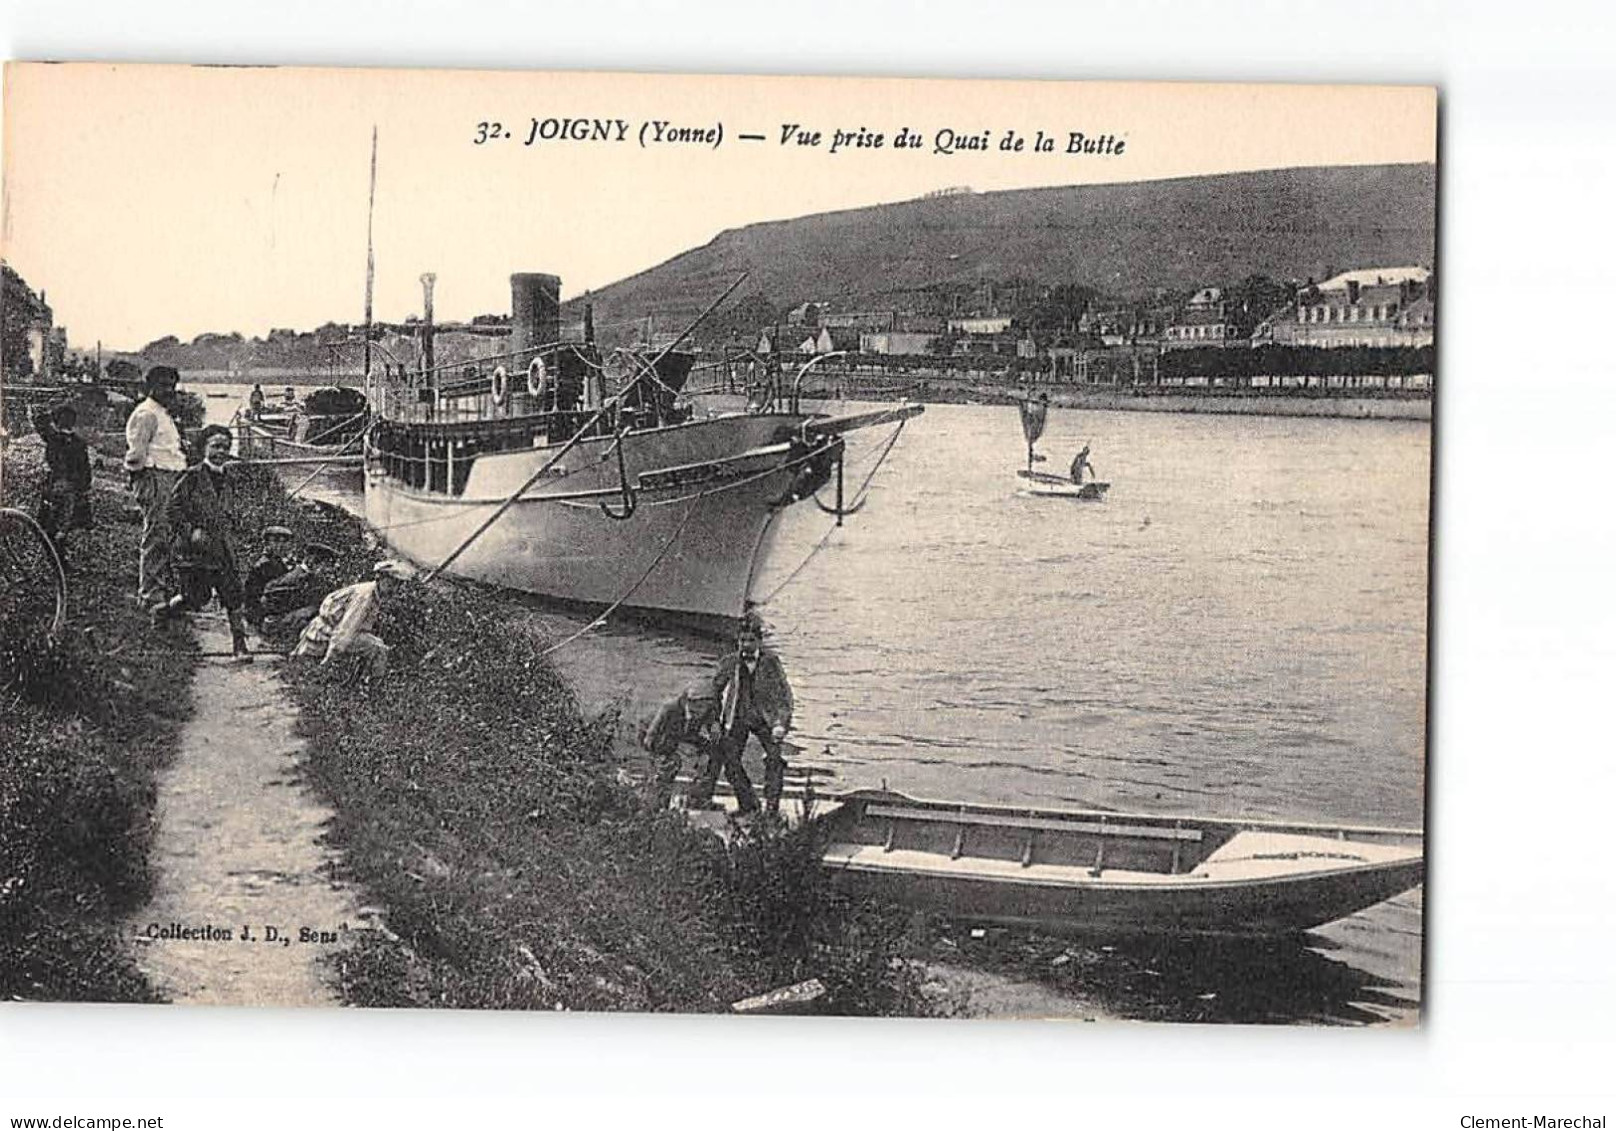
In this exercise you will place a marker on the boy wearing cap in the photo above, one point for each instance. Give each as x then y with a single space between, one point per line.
686 720
293 599
271 564
202 515
345 620
64 501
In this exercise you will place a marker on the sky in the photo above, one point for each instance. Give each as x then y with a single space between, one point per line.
149 200
1521 988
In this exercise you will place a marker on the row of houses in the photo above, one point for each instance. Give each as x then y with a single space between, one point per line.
1383 308
1377 307
1373 307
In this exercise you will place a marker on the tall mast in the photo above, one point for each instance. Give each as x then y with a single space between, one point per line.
370 254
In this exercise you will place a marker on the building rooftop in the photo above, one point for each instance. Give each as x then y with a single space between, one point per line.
1376 276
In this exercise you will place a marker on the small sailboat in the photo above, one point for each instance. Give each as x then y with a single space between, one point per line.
1043 484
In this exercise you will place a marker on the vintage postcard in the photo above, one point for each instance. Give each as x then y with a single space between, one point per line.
621 542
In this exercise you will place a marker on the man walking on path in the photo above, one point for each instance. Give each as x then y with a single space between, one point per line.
754 698
154 461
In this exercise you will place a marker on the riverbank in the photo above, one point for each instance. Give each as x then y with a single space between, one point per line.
481 820
86 727
481 809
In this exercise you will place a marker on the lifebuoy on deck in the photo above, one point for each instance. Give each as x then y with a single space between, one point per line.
538 378
500 386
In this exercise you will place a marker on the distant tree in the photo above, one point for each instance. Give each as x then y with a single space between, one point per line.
1062 305
190 411
1256 297
20 311
745 318
164 347
123 371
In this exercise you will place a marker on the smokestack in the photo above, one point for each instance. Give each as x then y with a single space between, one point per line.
428 358
535 311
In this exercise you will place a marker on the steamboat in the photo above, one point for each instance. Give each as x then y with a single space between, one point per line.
588 478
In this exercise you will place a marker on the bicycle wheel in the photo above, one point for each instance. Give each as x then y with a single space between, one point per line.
33 586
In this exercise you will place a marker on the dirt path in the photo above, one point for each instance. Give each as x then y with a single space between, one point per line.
245 911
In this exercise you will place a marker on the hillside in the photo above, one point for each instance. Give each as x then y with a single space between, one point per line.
1124 239
932 255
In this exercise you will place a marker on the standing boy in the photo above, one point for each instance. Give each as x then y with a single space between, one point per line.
64 498
202 513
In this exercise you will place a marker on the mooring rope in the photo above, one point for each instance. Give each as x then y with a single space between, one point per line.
615 605
293 493
858 498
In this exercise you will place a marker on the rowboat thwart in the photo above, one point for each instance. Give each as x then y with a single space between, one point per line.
1078 872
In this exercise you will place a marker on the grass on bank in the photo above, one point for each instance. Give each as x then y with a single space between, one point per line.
84 727
478 805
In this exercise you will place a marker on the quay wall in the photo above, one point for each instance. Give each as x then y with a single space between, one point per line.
1333 403
1254 404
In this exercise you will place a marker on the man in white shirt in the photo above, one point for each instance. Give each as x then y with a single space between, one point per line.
154 460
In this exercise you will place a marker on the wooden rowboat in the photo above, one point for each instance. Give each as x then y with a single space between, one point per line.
1103 873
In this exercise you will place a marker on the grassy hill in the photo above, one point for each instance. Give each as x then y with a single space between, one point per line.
1123 239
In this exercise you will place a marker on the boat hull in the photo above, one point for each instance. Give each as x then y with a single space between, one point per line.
1103 873
1041 485
705 496
1277 906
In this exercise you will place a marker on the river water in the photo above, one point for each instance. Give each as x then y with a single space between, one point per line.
1238 630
